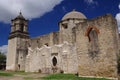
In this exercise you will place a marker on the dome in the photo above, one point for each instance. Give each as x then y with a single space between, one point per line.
74 14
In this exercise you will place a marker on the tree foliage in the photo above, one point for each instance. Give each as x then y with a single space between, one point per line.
2 58
2 61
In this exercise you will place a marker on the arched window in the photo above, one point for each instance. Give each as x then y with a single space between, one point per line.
54 61
93 46
22 27
93 39
18 66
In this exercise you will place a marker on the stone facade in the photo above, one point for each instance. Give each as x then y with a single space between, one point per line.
88 47
100 60
43 57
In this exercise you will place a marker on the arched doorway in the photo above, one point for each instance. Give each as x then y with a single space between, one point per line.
54 61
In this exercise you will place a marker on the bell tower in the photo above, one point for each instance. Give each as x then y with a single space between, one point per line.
17 47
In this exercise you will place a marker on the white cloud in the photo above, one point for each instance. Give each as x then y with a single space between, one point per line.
30 8
89 2
118 18
3 49
119 6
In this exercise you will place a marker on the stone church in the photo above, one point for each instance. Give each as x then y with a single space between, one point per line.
88 47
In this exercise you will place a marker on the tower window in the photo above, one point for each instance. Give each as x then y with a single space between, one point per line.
22 27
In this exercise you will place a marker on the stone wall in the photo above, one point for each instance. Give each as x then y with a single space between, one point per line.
40 59
89 47
119 42
48 40
11 55
22 51
17 51
103 62
66 32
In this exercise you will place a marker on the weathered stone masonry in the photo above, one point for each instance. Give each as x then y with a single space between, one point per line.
88 47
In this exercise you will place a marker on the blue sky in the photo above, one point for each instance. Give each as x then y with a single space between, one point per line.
44 15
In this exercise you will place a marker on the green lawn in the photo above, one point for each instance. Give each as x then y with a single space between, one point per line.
68 77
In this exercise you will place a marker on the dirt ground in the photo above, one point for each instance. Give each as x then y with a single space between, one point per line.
23 77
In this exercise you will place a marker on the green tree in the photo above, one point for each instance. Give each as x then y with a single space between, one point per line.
2 61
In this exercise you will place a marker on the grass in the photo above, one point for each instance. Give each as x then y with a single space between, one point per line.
68 77
6 74
32 78
29 78
20 73
48 77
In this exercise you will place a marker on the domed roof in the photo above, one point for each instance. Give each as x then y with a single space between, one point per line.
74 14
